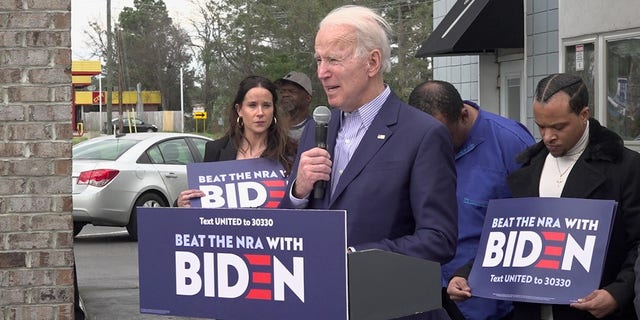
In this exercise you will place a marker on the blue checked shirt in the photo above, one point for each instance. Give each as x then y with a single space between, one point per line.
353 125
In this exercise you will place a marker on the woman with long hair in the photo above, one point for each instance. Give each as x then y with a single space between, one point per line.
254 131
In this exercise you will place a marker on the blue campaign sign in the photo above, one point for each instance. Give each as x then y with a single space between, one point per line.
542 250
250 183
237 264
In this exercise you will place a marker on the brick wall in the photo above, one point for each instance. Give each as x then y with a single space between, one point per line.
36 256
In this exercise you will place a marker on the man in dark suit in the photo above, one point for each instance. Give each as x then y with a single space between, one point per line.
579 158
389 165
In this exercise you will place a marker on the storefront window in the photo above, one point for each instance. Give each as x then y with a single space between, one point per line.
623 87
581 61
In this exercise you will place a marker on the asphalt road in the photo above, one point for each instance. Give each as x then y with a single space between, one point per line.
107 267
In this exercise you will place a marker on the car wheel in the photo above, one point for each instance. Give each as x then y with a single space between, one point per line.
77 227
150 130
147 200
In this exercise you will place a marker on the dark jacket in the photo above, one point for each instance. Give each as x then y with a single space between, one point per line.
220 150
399 187
606 170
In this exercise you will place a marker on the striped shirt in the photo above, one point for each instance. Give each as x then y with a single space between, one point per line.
353 125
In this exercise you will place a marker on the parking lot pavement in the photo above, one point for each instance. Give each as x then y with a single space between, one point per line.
107 269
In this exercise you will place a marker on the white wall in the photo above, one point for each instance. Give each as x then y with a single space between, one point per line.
585 17
489 98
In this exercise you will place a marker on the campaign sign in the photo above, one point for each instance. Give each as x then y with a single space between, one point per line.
250 183
542 250
232 264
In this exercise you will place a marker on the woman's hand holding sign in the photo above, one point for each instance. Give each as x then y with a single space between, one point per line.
186 195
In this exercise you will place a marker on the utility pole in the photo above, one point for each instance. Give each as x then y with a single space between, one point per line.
100 99
109 70
120 91
181 102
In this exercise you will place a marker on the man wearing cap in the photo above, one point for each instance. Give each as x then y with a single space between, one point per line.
295 98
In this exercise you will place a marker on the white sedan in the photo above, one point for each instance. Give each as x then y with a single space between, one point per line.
114 175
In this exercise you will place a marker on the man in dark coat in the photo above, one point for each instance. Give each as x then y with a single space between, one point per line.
389 165
579 158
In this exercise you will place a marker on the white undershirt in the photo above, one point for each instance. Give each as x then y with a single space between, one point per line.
552 183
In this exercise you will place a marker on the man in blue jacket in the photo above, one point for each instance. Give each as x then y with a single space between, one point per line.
486 146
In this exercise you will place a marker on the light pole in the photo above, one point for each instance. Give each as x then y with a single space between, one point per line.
99 77
181 103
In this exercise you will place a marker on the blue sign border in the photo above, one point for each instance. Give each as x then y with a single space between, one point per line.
323 233
542 281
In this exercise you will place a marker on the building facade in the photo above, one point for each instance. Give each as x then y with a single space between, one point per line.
476 49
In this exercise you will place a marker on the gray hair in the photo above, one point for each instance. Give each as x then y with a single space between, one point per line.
372 30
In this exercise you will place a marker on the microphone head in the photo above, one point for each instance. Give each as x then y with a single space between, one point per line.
321 115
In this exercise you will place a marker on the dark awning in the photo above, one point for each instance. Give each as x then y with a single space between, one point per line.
476 26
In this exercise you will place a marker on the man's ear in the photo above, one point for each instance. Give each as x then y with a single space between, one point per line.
464 113
374 62
585 113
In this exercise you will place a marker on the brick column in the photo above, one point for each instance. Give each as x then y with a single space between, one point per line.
36 241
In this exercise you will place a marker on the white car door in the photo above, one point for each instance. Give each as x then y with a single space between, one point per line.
171 158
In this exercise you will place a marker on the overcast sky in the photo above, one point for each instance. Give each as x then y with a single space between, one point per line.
84 11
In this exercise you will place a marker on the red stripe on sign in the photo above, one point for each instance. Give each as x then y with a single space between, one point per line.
260 294
272 204
276 194
259 259
261 277
553 236
552 251
548 264
274 183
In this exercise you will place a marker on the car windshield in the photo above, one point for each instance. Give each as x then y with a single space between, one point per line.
102 150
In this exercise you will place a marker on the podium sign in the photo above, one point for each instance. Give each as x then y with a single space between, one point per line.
542 250
243 263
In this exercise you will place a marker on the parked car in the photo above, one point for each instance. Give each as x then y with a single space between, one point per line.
112 175
137 125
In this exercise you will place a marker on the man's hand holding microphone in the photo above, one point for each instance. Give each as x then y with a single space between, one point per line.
314 168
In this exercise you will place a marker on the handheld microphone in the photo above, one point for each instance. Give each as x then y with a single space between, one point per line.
321 115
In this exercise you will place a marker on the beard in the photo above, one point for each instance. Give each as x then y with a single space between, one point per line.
288 106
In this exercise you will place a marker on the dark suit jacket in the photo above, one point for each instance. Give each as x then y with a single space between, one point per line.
606 170
220 150
399 188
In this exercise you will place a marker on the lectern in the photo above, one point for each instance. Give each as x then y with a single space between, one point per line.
386 285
